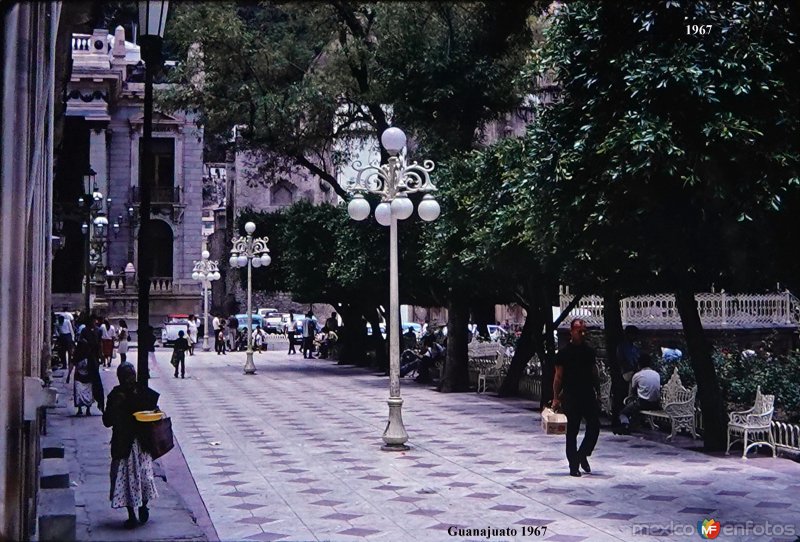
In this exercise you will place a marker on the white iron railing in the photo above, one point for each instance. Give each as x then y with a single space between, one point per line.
786 435
779 309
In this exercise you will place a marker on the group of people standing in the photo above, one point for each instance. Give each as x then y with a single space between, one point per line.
84 349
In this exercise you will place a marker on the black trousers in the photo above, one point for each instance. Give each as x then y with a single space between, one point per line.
219 344
308 347
577 410
181 358
291 334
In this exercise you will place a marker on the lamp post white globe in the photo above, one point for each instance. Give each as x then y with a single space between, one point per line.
428 208
383 213
215 275
402 207
233 261
250 227
241 261
358 208
265 260
195 276
393 140
206 254
256 262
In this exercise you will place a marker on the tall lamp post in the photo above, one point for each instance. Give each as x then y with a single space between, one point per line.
205 271
152 21
250 252
393 181
94 229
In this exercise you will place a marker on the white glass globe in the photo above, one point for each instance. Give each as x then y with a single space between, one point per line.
256 262
429 208
358 208
234 261
265 260
195 276
206 254
393 140
241 261
402 207
215 275
250 227
383 213
101 221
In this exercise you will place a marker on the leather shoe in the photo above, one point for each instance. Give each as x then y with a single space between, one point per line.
575 472
585 464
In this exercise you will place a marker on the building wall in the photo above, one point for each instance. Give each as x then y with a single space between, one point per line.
26 144
105 90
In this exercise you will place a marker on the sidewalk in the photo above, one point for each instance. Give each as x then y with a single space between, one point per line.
293 453
178 513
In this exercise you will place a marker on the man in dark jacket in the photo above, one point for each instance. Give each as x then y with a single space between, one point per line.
576 375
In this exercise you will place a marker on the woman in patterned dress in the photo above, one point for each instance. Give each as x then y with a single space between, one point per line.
132 480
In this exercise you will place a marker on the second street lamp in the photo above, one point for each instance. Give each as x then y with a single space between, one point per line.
393 181
250 252
205 271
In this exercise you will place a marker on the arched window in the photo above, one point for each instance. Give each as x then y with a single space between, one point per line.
281 195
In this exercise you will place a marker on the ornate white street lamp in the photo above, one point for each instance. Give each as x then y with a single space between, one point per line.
393 181
205 271
250 252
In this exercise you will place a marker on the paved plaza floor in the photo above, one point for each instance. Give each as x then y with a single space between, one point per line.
293 453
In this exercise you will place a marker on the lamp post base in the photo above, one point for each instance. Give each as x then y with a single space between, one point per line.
395 436
249 366
206 347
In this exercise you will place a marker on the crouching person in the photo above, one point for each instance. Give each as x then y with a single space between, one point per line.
645 392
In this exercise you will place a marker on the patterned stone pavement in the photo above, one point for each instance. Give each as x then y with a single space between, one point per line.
293 453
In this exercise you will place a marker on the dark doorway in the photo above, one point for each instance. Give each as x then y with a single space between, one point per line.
162 239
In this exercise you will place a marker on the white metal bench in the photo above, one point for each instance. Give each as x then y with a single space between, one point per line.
488 360
605 388
753 426
677 405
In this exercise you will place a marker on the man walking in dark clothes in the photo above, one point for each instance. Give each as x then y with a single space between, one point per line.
576 375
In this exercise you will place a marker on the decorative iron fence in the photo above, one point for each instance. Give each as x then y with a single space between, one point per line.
716 310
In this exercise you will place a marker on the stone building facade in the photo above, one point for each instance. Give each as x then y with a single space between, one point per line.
28 78
104 130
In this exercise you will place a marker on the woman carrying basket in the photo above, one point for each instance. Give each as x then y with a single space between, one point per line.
132 479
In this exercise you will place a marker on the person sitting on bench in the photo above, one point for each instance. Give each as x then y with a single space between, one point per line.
645 392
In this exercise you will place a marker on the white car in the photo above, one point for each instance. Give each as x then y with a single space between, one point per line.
173 324
263 312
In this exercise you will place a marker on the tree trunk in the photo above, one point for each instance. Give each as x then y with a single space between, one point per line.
352 350
708 390
548 362
612 323
526 347
376 341
456 370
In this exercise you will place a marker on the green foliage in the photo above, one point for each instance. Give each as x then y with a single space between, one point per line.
740 375
665 149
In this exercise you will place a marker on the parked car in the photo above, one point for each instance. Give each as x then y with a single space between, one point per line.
172 325
273 322
264 312
257 321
